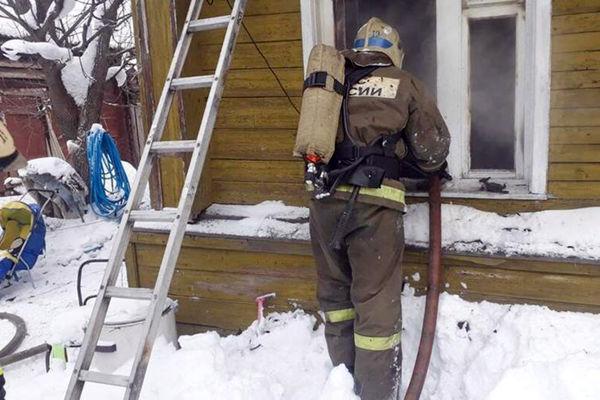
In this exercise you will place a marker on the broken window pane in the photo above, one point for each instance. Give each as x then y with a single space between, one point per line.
492 86
414 20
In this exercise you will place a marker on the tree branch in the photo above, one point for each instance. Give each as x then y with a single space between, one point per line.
75 25
121 52
50 19
18 20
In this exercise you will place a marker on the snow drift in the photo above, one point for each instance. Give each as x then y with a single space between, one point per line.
482 351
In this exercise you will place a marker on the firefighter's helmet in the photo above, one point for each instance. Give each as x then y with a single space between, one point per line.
377 36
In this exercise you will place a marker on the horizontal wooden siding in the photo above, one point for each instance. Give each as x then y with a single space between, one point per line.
218 278
574 171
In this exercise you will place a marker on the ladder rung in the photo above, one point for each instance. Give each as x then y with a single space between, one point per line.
105 379
206 24
173 146
129 293
153 215
192 82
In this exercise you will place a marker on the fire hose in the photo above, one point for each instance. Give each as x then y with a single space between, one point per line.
434 280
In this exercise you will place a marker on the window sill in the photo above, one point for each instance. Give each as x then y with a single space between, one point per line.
470 189
453 194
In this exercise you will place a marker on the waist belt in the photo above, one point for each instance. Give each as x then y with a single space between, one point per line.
366 166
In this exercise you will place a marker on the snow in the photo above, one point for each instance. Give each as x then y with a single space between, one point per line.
482 351
553 233
54 166
270 219
10 28
338 384
266 209
77 74
117 72
14 48
130 171
491 352
68 7
7 331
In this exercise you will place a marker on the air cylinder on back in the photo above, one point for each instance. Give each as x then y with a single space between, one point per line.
321 104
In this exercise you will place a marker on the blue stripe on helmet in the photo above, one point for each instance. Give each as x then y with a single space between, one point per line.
373 41
359 43
380 42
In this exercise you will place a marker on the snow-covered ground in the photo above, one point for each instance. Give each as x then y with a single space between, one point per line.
483 351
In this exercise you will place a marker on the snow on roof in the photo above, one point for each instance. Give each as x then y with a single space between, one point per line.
556 233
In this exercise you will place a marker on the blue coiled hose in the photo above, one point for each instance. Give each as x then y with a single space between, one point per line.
109 186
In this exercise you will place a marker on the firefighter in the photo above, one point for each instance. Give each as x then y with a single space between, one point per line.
390 128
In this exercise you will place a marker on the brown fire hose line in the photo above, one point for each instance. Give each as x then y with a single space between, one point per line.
434 281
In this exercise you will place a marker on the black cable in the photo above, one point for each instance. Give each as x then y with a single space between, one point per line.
267 63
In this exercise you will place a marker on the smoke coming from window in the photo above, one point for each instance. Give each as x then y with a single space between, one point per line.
492 54
493 63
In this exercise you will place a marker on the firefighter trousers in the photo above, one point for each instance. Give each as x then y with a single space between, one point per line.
359 290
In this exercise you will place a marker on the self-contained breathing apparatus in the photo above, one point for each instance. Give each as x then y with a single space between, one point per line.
357 166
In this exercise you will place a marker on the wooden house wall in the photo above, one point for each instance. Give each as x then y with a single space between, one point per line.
256 125
574 171
218 278
250 158
250 161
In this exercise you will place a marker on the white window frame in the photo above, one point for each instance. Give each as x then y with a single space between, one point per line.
492 10
532 119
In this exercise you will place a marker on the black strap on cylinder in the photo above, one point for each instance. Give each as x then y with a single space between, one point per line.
319 79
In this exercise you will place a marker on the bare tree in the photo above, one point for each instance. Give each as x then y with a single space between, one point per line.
79 44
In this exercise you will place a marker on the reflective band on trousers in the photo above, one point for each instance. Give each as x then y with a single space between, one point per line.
384 192
346 314
375 343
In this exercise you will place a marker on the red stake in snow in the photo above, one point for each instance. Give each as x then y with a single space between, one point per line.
260 303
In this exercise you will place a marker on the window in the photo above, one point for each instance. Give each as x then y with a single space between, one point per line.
487 62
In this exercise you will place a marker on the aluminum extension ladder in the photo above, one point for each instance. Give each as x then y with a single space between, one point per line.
154 147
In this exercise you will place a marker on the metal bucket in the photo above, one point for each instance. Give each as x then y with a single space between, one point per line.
126 334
